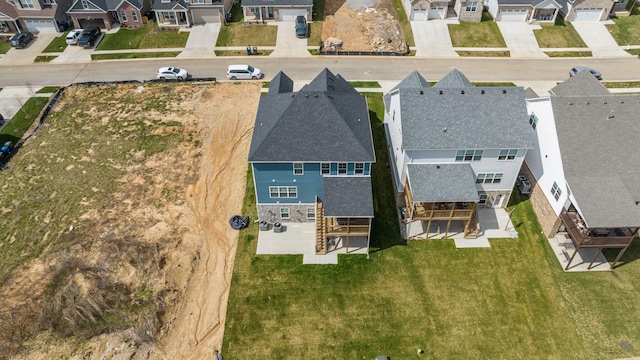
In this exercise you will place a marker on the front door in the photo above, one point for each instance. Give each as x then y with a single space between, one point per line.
497 202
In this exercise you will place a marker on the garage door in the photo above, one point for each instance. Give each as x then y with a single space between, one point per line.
290 14
590 14
513 15
38 26
419 15
86 23
436 13
205 16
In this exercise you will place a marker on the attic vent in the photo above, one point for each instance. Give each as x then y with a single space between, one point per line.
437 166
481 91
462 92
604 102
570 102
421 92
330 97
440 92
621 101
610 116
315 96
587 103
504 91
445 129
306 95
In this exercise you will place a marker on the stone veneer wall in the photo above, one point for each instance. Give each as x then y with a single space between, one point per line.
470 16
297 212
547 218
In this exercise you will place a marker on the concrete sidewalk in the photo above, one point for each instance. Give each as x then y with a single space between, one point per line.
598 39
432 38
520 39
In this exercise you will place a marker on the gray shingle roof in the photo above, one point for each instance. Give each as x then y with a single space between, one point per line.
327 120
281 83
347 196
442 182
107 5
529 93
454 79
598 137
464 118
412 81
276 2
583 83
520 2
159 5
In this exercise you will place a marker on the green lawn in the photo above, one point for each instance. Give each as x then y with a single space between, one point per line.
242 34
403 21
511 301
483 34
4 45
484 53
44 58
626 30
146 37
569 53
137 55
58 44
48 90
560 35
22 120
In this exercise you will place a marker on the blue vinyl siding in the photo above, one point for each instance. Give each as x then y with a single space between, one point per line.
309 185
367 168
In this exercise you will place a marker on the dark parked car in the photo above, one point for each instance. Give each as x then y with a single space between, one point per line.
21 40
301 26
578 69
88 37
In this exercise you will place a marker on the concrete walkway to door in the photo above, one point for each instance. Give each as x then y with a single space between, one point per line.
598 39
520 39
432 38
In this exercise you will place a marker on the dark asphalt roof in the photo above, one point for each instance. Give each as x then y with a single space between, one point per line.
442 182
583 83
348 196
277 2
327 120
598 136
464 117
104 5
281 83
173 4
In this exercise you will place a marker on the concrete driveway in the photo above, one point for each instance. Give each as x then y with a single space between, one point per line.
202 39
28 54
74 54
520 39
598 39
432 39
287 44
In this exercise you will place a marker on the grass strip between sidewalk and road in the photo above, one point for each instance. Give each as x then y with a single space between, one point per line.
136 55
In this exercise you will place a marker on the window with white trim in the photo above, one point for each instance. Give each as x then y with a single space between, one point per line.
134 15
276 192
123 15
285 214
311 213
169 15
483 199
472 5
342 168
359 169
469 155
255 10
49 2
325 168
533 120
298 168
197 1
556 191
27 4
489 178
85 4
507 154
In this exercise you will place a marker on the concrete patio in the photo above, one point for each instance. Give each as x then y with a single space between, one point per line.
300 239
563 249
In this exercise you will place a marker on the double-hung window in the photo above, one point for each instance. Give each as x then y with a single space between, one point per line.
507 154
342 168
469 155
472 5
298 168
27 4
325 168
533 120
276 192
359 169
556 191
123 15
489 178
285 214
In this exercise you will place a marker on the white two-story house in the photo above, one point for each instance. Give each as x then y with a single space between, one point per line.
455 147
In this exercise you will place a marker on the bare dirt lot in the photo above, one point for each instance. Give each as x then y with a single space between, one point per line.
115 241
363 25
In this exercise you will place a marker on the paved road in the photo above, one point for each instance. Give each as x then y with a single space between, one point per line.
352 68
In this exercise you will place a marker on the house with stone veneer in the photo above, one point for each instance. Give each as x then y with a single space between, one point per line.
46 16
465 10
583 169
311 155
454 147
105 13
186 13
276 10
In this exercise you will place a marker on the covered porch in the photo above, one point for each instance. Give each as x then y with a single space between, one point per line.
440 195
545 12
172 14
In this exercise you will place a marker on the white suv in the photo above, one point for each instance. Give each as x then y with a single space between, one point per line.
73 36
237 72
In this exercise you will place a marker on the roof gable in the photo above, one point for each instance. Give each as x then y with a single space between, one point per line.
581 84
412 81
281 83
454 79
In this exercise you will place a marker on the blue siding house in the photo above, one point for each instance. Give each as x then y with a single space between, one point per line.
311 156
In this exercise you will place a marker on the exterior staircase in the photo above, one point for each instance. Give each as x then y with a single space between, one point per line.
321 230
474 227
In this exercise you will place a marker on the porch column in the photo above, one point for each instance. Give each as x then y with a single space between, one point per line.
157 14
555 14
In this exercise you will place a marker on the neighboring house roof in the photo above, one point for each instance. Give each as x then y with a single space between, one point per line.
598 135
348 196
160 5
8 10
412 81
580 84
327 120
442 182
277 2
106 5
281 83
454 79
533 3
529 93
464 118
